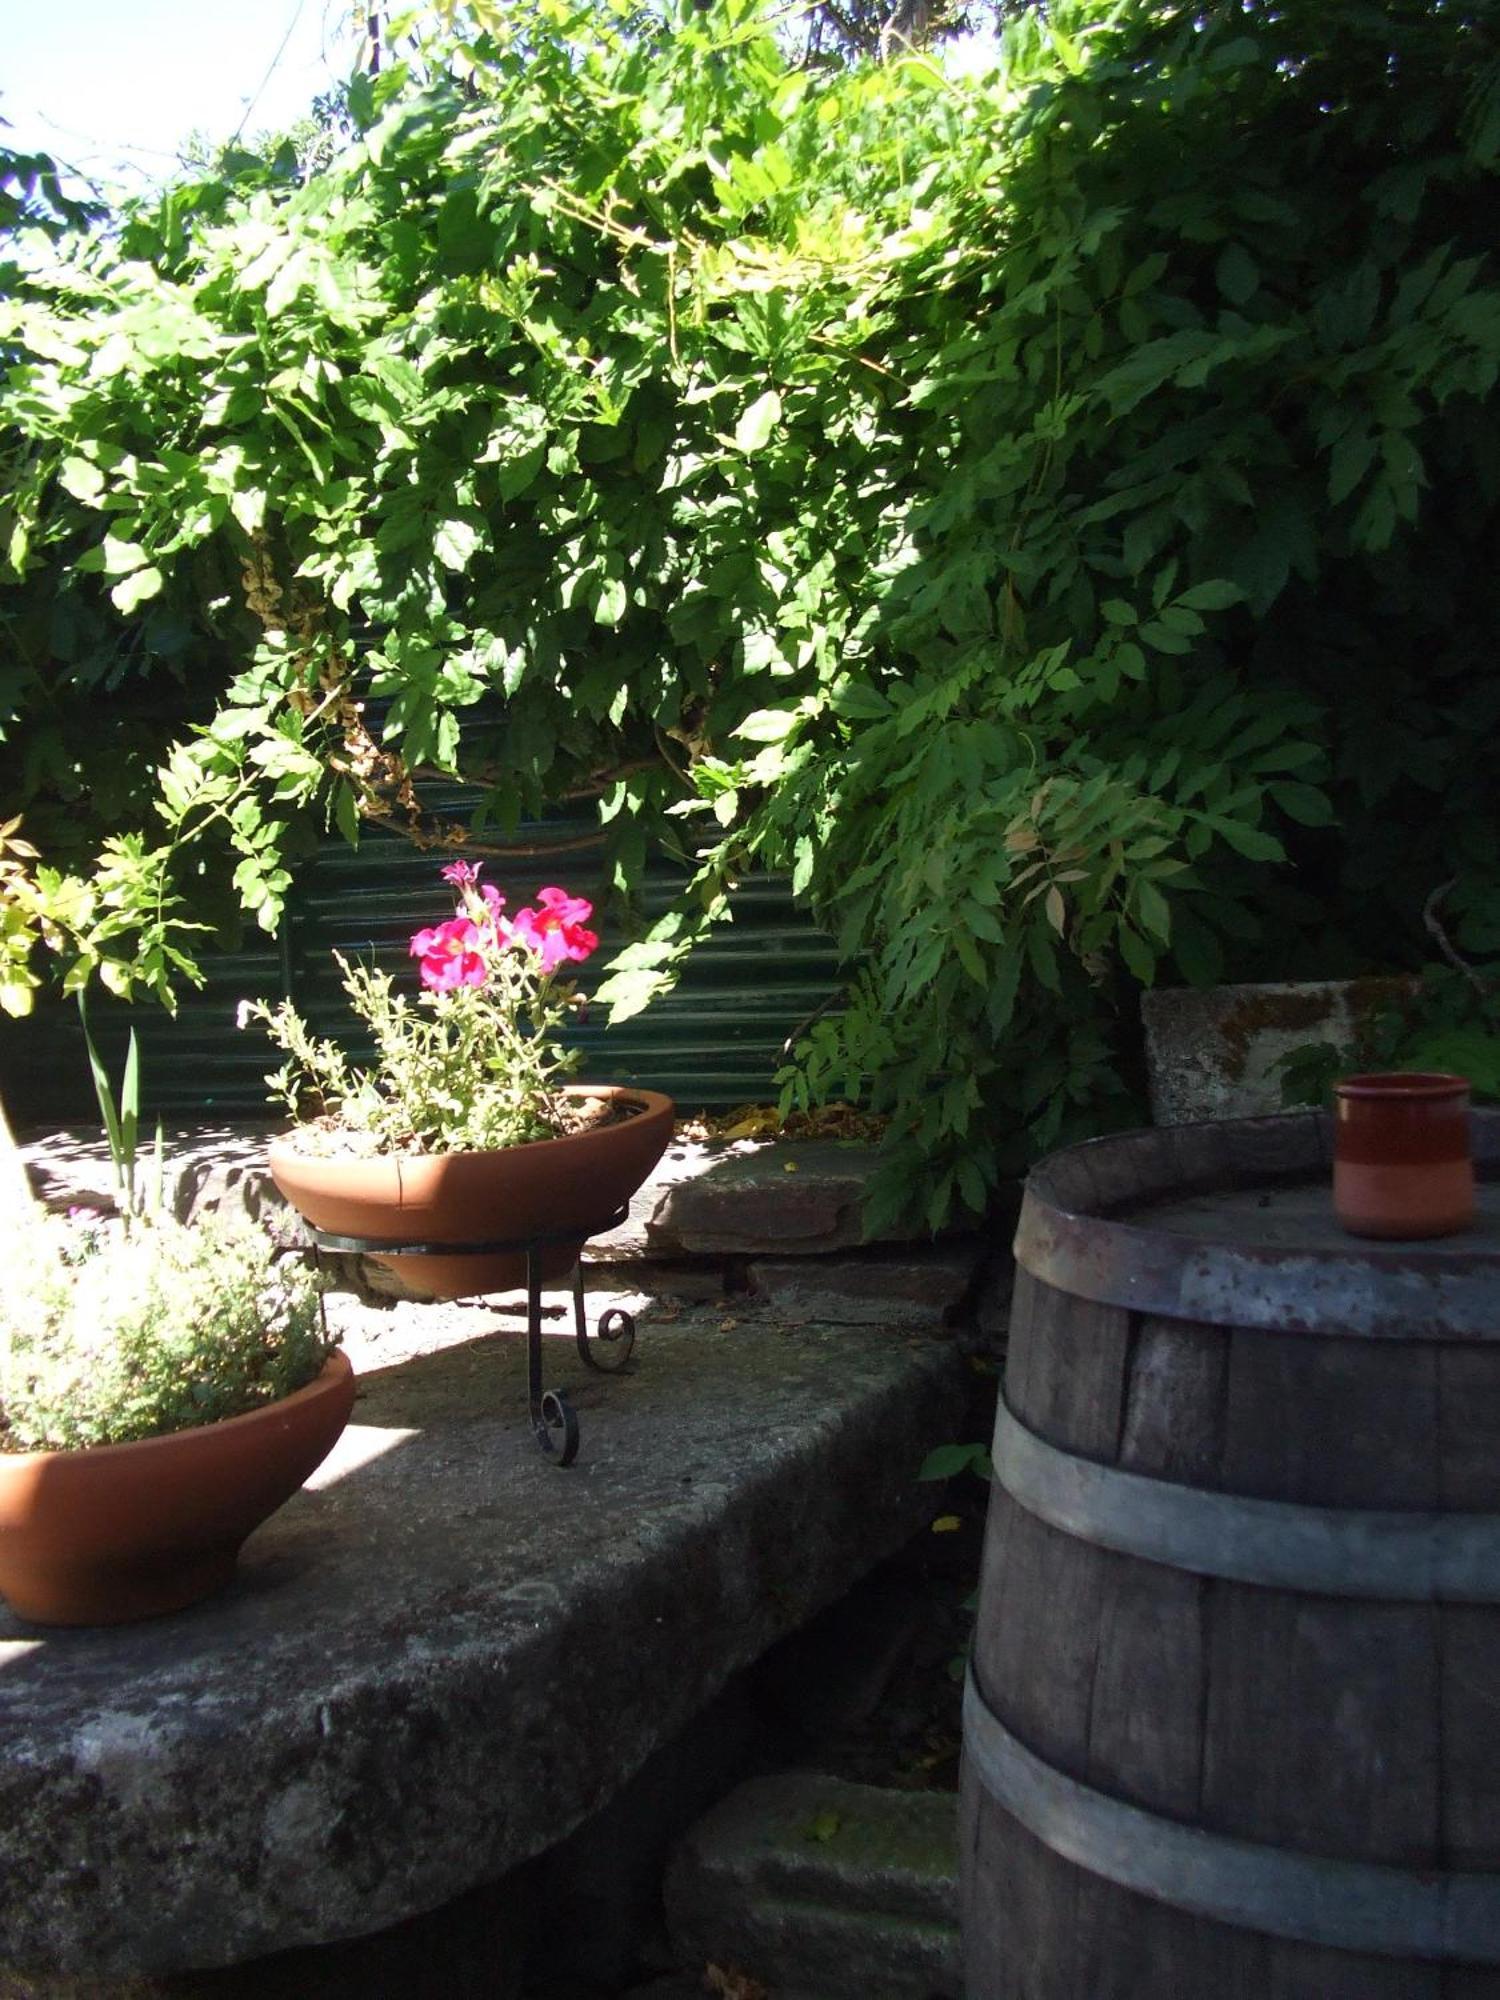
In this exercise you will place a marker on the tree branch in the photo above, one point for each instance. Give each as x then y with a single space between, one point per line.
1434 928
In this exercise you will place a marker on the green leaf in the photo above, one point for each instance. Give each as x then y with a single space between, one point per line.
134 590
610 601
946 1461
753 431
1217 594
120 557
130 1107
454 543
113 1132
1155 912
82 478
1303 803
1352 458
346 814
768 725
969 957
1162 639
860 702
1247 840
1138 955
1238 274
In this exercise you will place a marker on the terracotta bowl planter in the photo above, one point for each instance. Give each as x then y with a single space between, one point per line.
122 1531
548 1187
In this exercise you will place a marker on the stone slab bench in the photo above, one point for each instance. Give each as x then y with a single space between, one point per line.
447 1654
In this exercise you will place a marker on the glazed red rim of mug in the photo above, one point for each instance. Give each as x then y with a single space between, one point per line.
1403 1083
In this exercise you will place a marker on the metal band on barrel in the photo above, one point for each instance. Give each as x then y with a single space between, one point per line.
1405 1557
1315 1899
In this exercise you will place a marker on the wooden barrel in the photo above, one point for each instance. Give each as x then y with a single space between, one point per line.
1232 1729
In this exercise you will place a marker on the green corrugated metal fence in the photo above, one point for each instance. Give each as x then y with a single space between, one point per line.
715 1041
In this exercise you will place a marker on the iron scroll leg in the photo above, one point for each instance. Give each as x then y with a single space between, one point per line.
615 1326
550 1409
554 1421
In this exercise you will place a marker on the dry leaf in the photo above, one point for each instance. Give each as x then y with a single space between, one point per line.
731 1985
841 1123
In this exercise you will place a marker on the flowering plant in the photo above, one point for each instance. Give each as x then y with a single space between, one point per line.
117 1328
472 1062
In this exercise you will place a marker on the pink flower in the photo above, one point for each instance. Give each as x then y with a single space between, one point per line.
555 931
450 955
462 874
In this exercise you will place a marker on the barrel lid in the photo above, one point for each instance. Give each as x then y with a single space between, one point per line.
1232 1224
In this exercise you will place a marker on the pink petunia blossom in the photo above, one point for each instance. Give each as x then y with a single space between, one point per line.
462 874
450 955
555 930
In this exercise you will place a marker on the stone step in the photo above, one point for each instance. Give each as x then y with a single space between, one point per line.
813 1888
919 1286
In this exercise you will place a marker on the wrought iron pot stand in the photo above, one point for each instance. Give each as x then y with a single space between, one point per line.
551 1410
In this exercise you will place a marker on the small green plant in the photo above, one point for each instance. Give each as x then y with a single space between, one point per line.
112 1330
948 1460
122 1126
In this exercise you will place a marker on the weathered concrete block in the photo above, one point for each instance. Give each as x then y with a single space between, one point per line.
746 1197
445 1655
818 1887
1212 1052
918 1288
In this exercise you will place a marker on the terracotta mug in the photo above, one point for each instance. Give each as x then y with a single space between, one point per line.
1402 1162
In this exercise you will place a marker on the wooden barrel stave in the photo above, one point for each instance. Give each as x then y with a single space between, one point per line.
1088 1939
1194 1697
1341 1727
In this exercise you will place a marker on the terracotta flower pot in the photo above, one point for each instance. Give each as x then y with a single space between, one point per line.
1402 1162
122 1531
545 1188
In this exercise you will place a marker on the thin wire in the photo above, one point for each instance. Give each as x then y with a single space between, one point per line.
275 65
101 146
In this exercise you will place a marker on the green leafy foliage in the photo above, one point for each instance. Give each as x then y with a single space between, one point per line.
946 1461
1049 515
